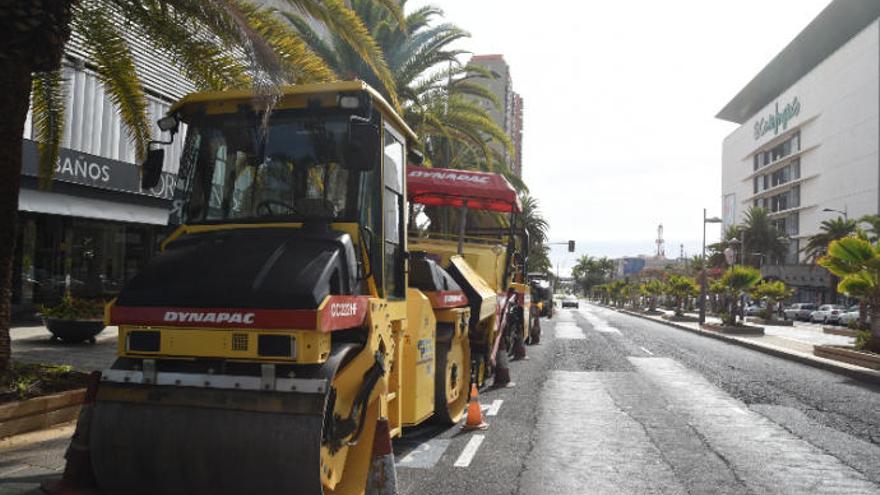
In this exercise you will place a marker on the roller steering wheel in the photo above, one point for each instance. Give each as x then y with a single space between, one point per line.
267 204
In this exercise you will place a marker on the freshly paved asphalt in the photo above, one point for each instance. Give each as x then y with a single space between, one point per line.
610 403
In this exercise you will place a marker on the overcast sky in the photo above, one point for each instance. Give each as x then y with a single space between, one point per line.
620 99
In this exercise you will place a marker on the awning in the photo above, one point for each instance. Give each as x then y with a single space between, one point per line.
77 206
449 187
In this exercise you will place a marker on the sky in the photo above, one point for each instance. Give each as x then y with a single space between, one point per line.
620 99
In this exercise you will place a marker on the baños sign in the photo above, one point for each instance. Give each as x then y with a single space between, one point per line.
777 119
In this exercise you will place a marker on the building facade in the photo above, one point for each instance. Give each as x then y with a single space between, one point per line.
94 227
510 115
806 149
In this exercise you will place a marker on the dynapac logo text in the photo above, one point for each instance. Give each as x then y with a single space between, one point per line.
209 317
343 309
453 298
477 179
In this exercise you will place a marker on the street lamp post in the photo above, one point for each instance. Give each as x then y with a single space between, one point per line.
703 275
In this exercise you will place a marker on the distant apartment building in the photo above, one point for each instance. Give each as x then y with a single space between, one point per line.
807 145
510 116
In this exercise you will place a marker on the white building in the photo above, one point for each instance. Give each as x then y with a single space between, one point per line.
808 139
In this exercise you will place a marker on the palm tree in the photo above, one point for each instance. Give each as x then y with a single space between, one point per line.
873 230
681 288
652 289
771 292
857 262
829 230
738 280
759 236
439 97
198 37
536 226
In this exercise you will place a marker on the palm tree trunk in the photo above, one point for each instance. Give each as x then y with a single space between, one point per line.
874 344
14 100
34 35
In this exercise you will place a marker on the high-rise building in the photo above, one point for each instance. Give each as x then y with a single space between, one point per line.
806 149
510 116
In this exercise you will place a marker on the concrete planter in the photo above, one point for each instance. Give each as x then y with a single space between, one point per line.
681 319
40 412
848 355
74 331
738 330
846 332
770 323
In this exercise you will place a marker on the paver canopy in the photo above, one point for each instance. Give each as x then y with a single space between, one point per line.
450 187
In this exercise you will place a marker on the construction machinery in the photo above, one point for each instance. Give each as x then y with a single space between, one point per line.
492 246
284 317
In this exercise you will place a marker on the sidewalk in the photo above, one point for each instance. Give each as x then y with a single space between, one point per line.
795 343
32 345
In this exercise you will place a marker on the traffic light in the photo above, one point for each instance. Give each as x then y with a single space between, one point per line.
570 246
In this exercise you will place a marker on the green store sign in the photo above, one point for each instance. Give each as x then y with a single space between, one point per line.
777 119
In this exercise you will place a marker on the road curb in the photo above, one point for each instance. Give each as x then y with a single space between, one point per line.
851 371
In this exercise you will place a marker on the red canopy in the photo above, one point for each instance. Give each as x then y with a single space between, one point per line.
449 187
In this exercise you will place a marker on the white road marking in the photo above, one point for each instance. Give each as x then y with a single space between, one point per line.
647 351
425 455
767 457
493 409
470 450
568 330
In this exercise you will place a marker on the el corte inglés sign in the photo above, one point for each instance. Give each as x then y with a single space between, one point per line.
777 119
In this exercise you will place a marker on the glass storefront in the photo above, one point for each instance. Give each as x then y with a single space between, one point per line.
91 258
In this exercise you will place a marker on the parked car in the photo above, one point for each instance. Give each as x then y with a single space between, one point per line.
851 315
570 301
825 311
755 309
799 311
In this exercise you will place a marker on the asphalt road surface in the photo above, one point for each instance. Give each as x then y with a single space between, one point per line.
610 403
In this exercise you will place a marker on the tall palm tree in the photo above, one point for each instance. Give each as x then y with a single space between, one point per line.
873 230
829 230
537 227
440 98
197 35
761 240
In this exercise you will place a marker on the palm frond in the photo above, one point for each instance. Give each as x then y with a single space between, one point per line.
116 70
204 61
313 39
301 63
346 24
48 102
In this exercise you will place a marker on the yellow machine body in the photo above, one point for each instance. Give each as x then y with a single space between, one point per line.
183 416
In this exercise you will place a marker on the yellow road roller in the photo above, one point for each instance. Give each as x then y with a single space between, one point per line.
285 316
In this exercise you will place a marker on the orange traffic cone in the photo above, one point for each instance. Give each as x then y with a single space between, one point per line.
475 413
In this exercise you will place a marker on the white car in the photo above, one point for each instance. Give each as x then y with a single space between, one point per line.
570 301
821 315
851 315
799 311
